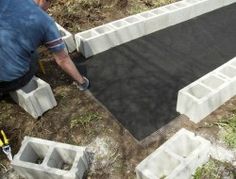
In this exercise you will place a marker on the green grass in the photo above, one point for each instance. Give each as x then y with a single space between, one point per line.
228 133
214 169
90 3
84 119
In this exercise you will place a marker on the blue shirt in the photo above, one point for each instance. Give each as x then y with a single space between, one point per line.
24 26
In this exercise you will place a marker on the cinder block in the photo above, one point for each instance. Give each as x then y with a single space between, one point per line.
85 42
178 12
134 29
68 39
215 4
96 40
199 7
228 2
177 158
38 158
128 29
36 97
104 37
206 94
155 20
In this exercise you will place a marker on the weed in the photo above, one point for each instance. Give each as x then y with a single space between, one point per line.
84 119
228 133
90 3
205 170
214 169
136 8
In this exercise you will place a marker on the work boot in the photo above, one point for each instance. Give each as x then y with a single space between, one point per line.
84 86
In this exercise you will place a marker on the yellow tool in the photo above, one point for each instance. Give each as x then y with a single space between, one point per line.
42 68
5 145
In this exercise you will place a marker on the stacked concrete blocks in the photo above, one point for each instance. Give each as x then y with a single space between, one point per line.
206 94
109 35
96 40
128 29
154 20
38 158
36 97
104 37
228 2
68 39
177 12
177 158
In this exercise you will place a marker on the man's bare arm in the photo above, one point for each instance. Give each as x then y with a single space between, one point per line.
65 62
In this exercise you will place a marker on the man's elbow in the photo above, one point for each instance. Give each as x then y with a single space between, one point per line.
61 57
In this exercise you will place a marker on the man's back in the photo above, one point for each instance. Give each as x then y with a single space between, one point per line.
23 27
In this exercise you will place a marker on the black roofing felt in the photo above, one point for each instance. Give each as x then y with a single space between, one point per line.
139 81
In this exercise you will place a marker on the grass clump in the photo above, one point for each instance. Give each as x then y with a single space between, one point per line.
228 132
84 120
90 3
214 169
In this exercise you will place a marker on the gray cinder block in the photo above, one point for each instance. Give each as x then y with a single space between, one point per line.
155 20
128 28
43 159
96 40
177 12
177 158
206 94
102 38
228 2
68 39
36 97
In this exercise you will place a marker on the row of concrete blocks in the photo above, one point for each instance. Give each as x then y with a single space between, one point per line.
206 94
104 37
43 159
36 97
177 158
68 39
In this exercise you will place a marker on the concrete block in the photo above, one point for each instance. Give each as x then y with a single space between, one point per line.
196 101
157 165
199 7
36 97
122 31
206 94
227 72
68 39
128 29
214 4
177 158
96 40
228 2
38 158
154 20
178 12
83 41
104 37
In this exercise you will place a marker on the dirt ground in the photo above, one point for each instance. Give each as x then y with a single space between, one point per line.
80 119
